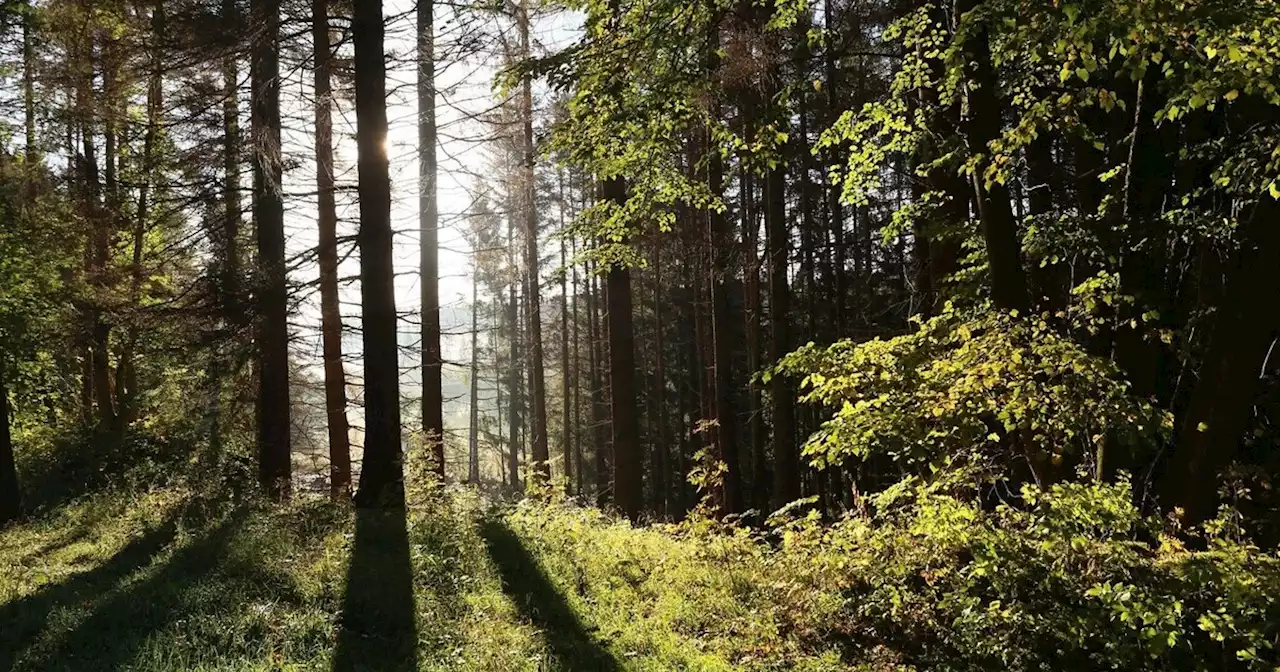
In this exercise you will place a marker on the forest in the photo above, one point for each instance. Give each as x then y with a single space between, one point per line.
639 335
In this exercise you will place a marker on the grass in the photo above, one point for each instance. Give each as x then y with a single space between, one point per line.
172 580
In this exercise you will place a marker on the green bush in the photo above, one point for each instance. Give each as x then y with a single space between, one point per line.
1073 578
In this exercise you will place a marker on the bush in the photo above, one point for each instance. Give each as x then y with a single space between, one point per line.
1074 578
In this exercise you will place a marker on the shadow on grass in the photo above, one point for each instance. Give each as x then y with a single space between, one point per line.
538 600
377 629
23 621
122 621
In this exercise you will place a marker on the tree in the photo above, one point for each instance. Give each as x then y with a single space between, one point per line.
382 474
274 451
335 379
428 225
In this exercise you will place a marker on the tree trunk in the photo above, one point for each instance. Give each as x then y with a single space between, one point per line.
513 375
382 473
786 462
32 149
1218 415
999 227
429 226
627 469
10 496
473 424
661 468
268 209
565 377
335 380
599 407
537 379
726 430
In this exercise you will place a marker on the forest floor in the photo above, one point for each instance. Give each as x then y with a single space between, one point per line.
171 580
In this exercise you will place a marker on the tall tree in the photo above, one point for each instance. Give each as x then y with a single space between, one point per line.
382 473
624 421
335 380
10 496
537 379
429 226
274 453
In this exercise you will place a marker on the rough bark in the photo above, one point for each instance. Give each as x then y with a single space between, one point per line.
335 379
268 212
382 473
429 226
10 495
624 416
1217 418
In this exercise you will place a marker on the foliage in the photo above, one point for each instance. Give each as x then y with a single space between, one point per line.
984 391
1075 579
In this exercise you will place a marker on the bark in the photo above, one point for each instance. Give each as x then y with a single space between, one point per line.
513 371
599 407
32 149
661 468
623 416
999 226
382 473
473 424
786 461
718 236
127 377
537 378
10 495
1218 416
834 106
429 226
268 210
754 317
565 378
335 380
577 379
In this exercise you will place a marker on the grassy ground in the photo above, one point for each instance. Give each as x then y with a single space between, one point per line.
169 581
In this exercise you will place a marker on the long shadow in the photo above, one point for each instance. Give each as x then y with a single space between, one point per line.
539 601
23 621
377 629
110 637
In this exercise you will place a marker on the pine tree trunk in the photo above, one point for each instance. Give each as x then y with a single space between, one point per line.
382 473
537 379
268 210
662 451
565 377
786 462
726 430
32 149
10 496
335 380
599 409
623 417
473 424
429 227
513 378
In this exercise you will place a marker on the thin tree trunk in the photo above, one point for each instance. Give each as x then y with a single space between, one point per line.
537 379
382 474
786 462
661 468
577 376
32 148
10 495
565 378
429 225
335 380
473 430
